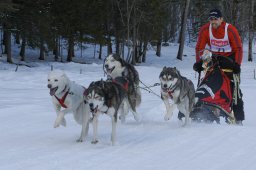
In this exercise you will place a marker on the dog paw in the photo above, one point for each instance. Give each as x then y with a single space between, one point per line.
138 118
79 140
167 117
60 120
184 125
63 123
94 141
122 118
56 125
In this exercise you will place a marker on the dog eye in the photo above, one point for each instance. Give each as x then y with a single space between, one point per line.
55 80
48 79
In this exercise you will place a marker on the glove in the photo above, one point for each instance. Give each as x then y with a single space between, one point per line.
198 66
236 68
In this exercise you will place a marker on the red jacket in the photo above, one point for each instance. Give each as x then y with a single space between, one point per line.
233 36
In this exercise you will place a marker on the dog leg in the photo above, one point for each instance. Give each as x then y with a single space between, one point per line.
60 117
121 112
113 133
95 128
85 127
169 109
136 116
186 119
57 108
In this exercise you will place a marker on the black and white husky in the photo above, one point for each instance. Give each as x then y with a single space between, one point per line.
108 98
126 75
67 97
179 89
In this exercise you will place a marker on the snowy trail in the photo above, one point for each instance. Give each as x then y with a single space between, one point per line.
29 141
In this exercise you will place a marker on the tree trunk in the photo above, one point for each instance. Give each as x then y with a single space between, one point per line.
8 46
158 47
134 44
5 38
251 31
117 46
140 52
70 49
100 52
122 50
17 38
22 49
183 30
144 51
1 42
42 56
94 50
109 45
56 49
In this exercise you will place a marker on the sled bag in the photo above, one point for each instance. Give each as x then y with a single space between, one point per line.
215 88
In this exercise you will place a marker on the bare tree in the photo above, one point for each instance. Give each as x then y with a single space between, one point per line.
127 14
183 30
251 31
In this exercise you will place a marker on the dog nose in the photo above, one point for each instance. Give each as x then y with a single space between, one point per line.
106 66
91 105
49 86
165 85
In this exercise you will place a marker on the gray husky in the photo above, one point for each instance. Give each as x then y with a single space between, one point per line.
125 74
179 89
109 98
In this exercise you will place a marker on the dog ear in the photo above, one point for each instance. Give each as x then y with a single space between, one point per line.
177 72
164 68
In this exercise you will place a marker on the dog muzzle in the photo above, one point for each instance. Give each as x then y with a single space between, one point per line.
109 70
94 110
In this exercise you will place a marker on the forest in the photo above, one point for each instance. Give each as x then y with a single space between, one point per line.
116 24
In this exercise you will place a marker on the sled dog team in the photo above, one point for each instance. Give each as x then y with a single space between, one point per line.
116 96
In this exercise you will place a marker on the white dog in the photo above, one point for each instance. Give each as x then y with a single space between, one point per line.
69 96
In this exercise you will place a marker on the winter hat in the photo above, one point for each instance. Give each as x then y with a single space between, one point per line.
215 13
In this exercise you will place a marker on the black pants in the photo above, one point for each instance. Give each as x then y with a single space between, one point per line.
238 108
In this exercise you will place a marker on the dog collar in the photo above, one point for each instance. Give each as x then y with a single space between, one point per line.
170 92
62 100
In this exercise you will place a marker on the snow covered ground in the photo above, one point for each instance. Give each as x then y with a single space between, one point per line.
29 141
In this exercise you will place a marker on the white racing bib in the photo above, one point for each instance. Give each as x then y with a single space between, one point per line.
220 45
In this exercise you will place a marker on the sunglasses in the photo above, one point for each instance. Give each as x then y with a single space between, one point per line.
213 18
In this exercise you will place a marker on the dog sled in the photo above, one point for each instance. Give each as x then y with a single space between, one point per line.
214 94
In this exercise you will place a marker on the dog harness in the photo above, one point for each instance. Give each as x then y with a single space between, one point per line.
62 100
170 91
123 84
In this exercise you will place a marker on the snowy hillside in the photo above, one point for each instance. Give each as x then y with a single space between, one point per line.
29 141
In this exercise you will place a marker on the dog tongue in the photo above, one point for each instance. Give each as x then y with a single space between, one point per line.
52 91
